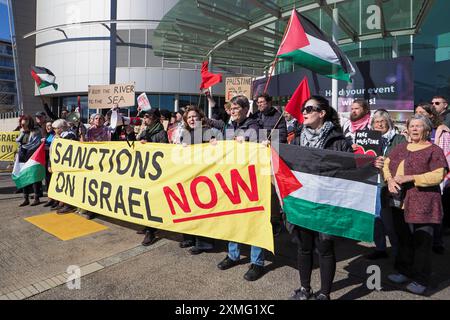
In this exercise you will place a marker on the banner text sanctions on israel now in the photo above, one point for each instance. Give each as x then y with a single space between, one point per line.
219 191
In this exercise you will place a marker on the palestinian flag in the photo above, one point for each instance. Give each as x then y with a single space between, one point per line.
43 77
327 191
31 171
306 45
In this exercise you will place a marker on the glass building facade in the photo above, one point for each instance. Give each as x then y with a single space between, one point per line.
8 91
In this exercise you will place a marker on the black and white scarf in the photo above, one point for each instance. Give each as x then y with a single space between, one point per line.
315 138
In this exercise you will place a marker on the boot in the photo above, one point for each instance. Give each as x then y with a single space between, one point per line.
149 238
36 201
25 202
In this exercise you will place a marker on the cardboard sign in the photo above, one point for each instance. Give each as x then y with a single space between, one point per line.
369 142
238 86
105 97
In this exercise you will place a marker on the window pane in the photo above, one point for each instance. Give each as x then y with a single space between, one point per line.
123 48
137 51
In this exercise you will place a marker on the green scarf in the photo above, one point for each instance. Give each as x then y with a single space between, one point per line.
154 129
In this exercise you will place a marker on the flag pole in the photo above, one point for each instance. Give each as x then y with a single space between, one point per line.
276 125
272 68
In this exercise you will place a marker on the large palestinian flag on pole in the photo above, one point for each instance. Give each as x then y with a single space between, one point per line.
306 45
327 191
31 171
43 77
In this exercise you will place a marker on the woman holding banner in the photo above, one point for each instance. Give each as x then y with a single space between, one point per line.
243 128
320 129
194 121
413 172
97 132
62 130
153 131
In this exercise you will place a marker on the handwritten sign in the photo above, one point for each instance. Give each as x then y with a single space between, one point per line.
369 142
105 97
238 86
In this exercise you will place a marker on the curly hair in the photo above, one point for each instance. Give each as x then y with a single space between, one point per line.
198 111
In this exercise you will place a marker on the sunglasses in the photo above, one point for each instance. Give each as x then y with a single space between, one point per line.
309 109
436 103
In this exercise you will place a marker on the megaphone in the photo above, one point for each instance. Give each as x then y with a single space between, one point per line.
73 117
119 120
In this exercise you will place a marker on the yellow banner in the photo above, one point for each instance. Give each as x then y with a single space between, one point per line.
218 191
8 145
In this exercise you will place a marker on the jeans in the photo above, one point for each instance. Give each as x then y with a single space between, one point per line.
256 253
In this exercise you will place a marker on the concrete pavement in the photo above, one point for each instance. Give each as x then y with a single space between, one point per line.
33 265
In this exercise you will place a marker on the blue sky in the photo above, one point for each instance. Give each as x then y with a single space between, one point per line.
4 22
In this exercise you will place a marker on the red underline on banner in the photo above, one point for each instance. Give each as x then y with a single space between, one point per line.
218 214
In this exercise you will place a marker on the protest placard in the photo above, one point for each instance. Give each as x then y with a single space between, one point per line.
238 86
105 97
369 142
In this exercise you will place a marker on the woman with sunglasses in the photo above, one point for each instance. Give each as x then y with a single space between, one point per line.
321 129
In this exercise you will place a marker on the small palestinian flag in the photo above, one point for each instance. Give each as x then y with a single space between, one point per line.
31 171
327 191
306 45
43 77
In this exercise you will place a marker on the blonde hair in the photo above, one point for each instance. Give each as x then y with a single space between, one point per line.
60 123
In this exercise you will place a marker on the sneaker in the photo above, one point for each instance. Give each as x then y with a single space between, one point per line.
398 278
322 296
302 294
149 238
377 254
254 272
439 250
227 263
416 288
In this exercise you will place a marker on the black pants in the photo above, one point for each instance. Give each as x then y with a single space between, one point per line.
308 240
415 242
446 206
199 242
35 188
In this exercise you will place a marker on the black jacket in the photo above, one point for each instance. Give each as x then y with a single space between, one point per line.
158 137
248 129
335 140
268 119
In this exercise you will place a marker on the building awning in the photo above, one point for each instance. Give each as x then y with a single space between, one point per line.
247 34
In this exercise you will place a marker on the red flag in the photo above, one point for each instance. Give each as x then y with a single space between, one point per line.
300 95
209 79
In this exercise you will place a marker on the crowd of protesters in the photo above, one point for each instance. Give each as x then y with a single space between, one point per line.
413 193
